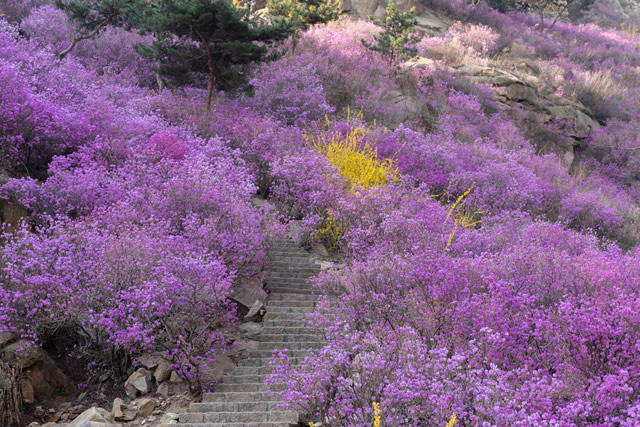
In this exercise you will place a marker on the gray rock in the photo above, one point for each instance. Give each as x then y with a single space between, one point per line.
582 124
430 24
149 361
320 249
123 412
163 371
175 378
169 418
247 292
251 329
93 417
255 312
146 406
6 338
139 383
519 92
163 390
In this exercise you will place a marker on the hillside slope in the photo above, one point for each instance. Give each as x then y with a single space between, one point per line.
480 198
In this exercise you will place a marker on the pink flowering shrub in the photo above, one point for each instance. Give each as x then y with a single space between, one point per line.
351 75
49 26
615 148
17 10
145 228
463 43
290 92
111 52
33 129
168 146
484 280
480 332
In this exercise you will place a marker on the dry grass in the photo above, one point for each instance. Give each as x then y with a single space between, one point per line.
10 395
601 93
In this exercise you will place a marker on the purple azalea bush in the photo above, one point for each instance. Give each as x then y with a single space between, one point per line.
486 280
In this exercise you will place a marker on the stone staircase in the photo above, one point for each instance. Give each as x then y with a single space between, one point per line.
241 399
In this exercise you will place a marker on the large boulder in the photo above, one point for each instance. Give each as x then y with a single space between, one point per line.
251 329
246 293
431 24
41 377
163 371
581 123
377 8
256 311
123 412
145 406
93 417
139 383
213 373
12 213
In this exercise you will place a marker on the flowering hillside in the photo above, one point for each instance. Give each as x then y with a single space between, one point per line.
481 192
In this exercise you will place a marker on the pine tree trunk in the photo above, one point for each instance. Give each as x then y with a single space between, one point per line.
75 40
212 69
212 77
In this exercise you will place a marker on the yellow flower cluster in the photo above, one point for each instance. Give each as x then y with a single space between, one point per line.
452 421
356 160
330 232
376 414
460 217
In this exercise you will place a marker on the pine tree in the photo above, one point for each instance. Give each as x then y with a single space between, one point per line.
557 8
207 37
304 13
398 34
92 16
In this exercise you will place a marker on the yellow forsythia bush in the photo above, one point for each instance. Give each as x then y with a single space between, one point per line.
356 160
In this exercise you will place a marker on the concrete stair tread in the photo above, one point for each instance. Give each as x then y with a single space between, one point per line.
241 399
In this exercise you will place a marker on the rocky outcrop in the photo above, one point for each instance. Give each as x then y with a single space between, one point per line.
521 90
376 8
428 21
41 378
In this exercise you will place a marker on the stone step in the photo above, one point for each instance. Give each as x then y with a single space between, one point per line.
286 303
295 354
240 397
247 387
252 363
296 330
291 282
240 406
284 323
291 274
286 246
293 298
293 255
264 424
239 417
293 261
290 337
244 379
288 252
272 315
265 360
252 370
287 265
305 345
290 290
289 309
